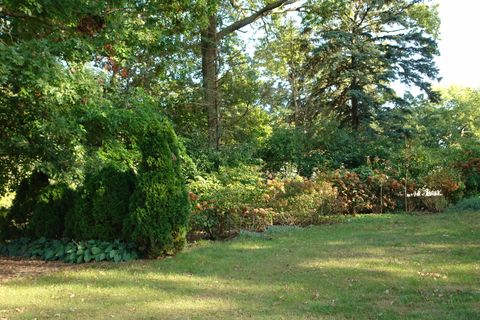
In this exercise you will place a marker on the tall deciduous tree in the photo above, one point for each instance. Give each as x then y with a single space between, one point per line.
49 90
246 13
281 56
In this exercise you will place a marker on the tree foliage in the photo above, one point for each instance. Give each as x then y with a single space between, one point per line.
107 108
159 206
360 48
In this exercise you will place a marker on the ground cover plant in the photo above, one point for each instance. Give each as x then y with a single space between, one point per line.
373 266
69 251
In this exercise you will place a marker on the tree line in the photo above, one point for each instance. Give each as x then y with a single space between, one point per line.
314 91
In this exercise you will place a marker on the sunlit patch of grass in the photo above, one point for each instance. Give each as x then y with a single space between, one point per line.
371 267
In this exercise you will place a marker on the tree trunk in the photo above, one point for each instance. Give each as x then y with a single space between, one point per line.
210 38
354 112
294 98
210 81
354 91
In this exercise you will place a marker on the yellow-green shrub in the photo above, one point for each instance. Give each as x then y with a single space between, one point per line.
300 201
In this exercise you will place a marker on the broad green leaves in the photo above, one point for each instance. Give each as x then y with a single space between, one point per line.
70 251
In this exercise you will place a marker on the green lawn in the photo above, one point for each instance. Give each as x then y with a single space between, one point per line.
373 267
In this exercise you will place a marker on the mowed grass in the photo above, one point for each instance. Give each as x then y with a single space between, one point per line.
372 267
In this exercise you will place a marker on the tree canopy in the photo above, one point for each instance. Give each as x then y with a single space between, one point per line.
257 105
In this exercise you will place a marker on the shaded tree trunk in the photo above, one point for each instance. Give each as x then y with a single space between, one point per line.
294 98
210 81
355 118
209 41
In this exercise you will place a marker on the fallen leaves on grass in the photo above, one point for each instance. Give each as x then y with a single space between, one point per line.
433 275
17 268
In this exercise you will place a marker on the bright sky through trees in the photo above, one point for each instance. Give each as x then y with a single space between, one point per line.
459 61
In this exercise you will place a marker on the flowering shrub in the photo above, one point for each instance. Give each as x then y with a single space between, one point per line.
299 201
242 198
372 192
446 180
227 200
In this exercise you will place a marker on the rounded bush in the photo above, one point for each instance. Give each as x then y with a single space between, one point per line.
159 207
26 198
48 217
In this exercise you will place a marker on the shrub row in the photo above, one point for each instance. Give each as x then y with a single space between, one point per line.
102 206
244 198
146 204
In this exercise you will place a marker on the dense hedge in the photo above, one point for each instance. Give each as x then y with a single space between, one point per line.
102 205
48 218
140 199
25 201
38 209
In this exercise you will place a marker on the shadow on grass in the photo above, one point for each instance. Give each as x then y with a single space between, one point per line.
372 269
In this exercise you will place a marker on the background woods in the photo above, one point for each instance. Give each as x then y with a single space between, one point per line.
142 122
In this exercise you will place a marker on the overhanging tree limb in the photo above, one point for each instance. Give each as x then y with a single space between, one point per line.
250 19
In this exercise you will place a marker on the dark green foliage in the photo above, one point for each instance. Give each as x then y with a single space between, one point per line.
356 52
38 209
5 226
155 217
287 145
323 146
159 217
472 183
69 251
26 199
468 204
52 206
159 205
102 205
150 207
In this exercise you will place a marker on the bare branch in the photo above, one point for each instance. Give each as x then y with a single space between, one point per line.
252 18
